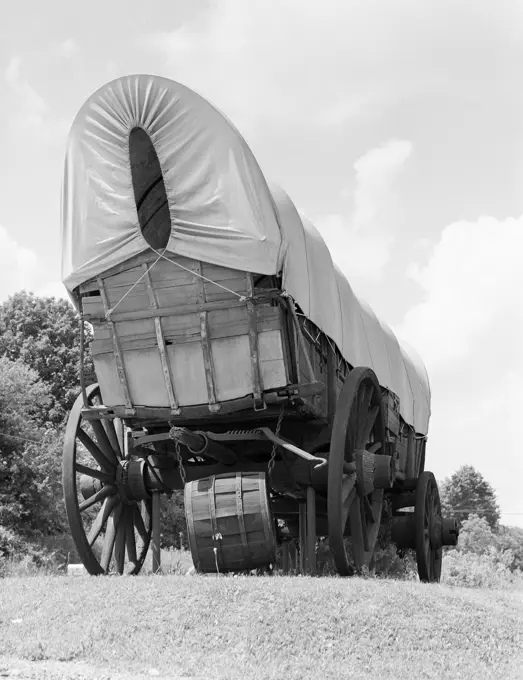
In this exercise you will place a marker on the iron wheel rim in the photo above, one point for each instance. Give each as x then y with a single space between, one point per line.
126 526
360 393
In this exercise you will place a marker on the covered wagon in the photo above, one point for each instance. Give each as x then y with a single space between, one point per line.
233 360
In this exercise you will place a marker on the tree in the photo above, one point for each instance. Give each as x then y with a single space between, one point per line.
511 538
466 492
476 536
28 501
44 334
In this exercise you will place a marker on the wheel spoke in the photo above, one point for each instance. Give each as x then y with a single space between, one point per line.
130 539
101 518
364 525
96 474
119 544
110 536
95 452
369 423
348 494
363 413
112 436
356 534
103 441
138 523
104 492
368 510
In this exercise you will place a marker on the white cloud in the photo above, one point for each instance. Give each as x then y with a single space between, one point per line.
31 107
327 63
469 332
360 243
29 112
67 49
20 269
17 265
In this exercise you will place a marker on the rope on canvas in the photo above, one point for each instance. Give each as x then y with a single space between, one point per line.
161 256
242 298
110 311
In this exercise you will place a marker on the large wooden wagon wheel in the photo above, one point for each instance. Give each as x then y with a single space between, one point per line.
428 529
359 427
110 533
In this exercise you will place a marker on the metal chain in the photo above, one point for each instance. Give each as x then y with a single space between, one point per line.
275 445
180 462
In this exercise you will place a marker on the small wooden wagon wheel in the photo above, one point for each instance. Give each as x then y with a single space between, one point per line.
428 523
96 509
359 427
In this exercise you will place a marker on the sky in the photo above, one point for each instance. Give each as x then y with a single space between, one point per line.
395 127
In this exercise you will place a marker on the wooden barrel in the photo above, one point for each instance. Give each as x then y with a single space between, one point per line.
229 522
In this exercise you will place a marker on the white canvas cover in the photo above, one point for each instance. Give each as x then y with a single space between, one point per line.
222 211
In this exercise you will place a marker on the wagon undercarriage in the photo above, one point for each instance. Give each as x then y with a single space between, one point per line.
253 499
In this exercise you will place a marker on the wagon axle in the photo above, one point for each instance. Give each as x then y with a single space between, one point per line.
440 532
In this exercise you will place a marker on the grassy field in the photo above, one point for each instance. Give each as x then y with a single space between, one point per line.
256 627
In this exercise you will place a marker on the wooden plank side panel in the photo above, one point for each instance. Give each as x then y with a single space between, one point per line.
232 367
187 367
208 354
272 360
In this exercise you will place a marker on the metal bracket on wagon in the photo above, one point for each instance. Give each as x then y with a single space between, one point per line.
321 462
97 412
298 391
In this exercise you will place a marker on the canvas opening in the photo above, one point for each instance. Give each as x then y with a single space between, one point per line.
149 190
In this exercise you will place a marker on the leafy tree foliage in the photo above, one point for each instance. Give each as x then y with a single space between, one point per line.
467 492
511 538
476 536
43 333
28 468
174 526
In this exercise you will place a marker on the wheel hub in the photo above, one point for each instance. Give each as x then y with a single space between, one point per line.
89 486
130 480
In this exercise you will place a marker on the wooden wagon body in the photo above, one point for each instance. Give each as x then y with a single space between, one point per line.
237 365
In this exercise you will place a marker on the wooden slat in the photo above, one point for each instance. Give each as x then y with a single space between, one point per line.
253 342
117 351
134 264
241 519
208 363
217 544
206 343
161 346
185 328
183 309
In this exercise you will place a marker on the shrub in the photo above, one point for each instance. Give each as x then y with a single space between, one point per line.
488 570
